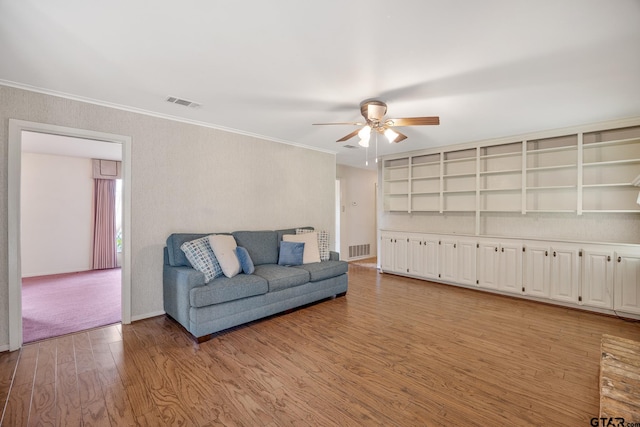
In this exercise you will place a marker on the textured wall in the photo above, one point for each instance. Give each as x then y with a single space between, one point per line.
56 213
357 221
184 178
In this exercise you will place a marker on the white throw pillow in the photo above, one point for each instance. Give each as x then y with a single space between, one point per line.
310 240
224 248
323 242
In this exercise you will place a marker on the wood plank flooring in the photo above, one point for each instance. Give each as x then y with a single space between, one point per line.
393 352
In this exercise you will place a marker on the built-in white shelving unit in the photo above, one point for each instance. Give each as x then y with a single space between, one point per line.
576 173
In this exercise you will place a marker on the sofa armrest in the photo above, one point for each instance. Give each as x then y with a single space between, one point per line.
177 283
334 256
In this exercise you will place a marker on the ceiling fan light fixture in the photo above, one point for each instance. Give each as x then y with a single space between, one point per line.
365 135
390 135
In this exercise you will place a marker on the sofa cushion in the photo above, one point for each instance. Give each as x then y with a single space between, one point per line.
310 240
291 253
225 289
201 256
261 245
282 232
177 257
245 260
323 242
280 277
224 248
325 269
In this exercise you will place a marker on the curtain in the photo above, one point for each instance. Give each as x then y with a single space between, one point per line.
104 235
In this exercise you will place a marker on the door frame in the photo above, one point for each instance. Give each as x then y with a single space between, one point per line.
16 127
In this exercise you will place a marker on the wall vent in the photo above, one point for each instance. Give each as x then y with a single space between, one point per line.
184 102
357 251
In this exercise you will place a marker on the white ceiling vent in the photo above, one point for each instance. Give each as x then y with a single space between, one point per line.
184 102
350 146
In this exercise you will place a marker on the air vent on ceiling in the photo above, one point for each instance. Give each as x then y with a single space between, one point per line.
350 146
184 102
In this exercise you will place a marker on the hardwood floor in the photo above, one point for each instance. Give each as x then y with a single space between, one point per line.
393 351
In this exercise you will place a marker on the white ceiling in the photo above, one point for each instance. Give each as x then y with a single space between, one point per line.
488 68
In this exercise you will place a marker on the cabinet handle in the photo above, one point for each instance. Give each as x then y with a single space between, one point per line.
609 258
554 253
454 245
496 249
619 259
546 253
502 249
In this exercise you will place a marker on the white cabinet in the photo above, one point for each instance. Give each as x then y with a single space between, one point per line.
488 265
627 283
564 274
592 275
500 266
448 260
423 256
597 277
458 260
537 270
510 271
394 252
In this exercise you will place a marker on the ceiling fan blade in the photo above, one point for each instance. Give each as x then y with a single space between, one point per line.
400 137
414 121
351 135
343 123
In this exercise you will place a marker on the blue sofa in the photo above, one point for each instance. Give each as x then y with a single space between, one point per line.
205 308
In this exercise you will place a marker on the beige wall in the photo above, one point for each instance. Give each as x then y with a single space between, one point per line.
56 214
358 208
184 178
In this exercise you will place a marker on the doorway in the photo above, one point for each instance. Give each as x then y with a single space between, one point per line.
16 130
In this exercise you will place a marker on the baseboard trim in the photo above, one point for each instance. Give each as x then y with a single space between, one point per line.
147 315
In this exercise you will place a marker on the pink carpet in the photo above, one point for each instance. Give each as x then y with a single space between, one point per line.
64 303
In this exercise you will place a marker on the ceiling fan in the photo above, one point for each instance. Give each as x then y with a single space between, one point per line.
373 112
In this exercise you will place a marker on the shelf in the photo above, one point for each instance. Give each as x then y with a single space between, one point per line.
425 210
613 142
551 211
499 211
552 187
397 180
543 168
623 184
504 171
458 191
419 193
612 162
458 210
552 149
487 190
424 178
397 167
458 175
396 194
426 164
464 159
611 211
495 156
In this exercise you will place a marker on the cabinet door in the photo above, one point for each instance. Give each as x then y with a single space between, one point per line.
627 283
401 254
430 258
564 274
510 272
597 278
416 257
386 252
448 260
467 262
488 265
537 266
